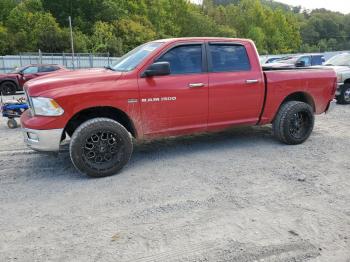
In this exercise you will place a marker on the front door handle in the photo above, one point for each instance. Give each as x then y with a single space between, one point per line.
252 81
195 85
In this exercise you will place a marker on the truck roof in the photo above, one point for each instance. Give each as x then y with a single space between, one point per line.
202 38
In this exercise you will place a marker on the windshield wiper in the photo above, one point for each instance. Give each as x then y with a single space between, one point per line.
109 67
329 65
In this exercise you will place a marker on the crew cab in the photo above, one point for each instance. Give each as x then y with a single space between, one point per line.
14 81
168 88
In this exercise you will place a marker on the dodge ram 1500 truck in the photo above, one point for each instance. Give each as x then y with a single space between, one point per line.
166 88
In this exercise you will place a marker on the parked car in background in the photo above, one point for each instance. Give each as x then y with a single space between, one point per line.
170 87
299 61
273 59
13 81
270 59
341 65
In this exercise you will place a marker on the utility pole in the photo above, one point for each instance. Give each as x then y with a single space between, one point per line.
71 40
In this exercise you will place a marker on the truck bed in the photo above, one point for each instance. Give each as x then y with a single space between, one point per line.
269 68
317 85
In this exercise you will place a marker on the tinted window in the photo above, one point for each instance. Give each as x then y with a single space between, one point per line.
226 58
30 70
47 68
306 59
186 59
317 60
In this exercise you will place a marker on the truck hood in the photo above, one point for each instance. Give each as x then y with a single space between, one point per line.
68 81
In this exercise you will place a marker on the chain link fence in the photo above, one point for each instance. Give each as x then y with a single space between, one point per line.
78 61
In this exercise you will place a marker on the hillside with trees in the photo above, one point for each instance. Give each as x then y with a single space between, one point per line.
116 26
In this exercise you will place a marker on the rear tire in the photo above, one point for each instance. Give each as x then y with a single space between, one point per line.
294 122
8 88
100 147
344 97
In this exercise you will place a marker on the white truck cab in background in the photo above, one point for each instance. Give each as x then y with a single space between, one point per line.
341 65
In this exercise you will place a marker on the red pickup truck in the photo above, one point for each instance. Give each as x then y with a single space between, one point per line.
166 88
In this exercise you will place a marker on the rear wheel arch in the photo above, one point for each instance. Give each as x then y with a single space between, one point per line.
300 97
9 80
98 112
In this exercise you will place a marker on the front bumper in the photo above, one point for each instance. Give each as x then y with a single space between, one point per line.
43 140
331 106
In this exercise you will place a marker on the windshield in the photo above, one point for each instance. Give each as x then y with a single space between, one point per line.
339 60
132 59
17 70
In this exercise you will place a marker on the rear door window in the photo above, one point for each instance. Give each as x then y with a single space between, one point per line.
228 58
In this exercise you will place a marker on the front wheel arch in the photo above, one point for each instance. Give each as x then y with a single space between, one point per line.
95 112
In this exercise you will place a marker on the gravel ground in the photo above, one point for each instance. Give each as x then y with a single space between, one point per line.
237 195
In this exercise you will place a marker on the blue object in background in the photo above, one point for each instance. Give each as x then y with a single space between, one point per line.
12 110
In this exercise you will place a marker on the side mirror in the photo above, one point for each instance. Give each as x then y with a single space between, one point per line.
157 69
300 64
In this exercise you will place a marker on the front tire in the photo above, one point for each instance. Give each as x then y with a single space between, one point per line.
294 122
344 97
100 147
8 88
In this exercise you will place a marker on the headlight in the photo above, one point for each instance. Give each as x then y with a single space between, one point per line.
339 78
43 106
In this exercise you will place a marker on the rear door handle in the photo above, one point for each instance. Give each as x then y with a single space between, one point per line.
195 85
252 81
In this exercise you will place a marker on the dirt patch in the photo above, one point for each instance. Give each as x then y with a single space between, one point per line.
238 195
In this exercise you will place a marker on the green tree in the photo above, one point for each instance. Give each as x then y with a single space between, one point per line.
258 36
4 41
5 8
134 31
104 39
202 25
117 26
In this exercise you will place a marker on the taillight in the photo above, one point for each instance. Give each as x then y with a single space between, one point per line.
334 87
